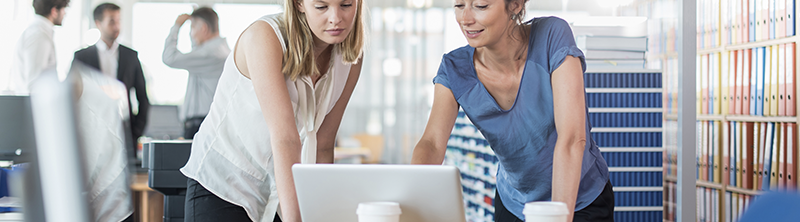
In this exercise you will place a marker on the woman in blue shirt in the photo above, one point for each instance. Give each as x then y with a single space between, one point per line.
521 84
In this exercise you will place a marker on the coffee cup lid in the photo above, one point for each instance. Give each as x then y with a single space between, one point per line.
378 208
545 208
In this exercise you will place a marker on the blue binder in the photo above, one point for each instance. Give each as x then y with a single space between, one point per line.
790 19
701 23
713 79
772 16
753 74
714 72
752 26
760 66
732 156
698 139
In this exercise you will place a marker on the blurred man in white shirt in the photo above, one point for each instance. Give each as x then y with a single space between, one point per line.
204 63
35 48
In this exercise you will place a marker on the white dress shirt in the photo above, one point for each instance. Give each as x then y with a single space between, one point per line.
204 63
35 53
109 58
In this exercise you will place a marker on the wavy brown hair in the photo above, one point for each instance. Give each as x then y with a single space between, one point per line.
299 57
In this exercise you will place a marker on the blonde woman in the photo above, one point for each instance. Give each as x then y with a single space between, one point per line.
279 101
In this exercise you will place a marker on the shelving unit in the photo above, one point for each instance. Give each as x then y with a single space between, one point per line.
625 110
747 118
722 194
720 28
469 151
705 184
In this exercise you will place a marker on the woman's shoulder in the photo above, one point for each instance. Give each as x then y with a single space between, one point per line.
458 56
548 22
275 21
550 26
456 70
268 27
276 18
258 42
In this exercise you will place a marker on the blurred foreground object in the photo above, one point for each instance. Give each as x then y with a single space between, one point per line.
774 207
59 157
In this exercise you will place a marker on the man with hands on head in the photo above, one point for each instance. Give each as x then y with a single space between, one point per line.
204 64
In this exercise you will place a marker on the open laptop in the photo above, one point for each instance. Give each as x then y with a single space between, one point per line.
331 192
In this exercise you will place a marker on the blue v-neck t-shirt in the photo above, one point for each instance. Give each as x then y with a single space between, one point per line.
524 136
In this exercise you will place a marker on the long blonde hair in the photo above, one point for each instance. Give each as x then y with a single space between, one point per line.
299 57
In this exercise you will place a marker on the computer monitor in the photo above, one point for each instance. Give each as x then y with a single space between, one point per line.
332 192
163 123
16 128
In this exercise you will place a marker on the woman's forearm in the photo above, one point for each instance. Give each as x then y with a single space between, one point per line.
567 161
425 153
287 153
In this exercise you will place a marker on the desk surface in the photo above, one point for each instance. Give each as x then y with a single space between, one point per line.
11 216
139 182
340 152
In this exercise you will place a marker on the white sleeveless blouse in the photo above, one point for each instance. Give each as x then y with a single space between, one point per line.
231 153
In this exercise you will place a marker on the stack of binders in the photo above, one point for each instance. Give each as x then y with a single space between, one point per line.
749 156
625 110
756 82
739 21
614 52
745 156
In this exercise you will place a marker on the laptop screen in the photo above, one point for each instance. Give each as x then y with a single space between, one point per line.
332 192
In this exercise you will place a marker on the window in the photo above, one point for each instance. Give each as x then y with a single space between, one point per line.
151 25
16 15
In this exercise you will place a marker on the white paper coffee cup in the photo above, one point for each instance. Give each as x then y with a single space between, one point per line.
545 211
378 212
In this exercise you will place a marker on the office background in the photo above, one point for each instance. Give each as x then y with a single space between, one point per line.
392 100
393 97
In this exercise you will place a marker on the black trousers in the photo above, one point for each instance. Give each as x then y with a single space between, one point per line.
191 126
203 206
601 209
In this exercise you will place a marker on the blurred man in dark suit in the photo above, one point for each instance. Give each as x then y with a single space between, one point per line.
120 62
